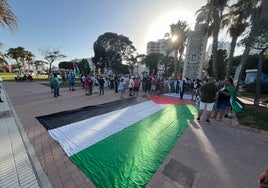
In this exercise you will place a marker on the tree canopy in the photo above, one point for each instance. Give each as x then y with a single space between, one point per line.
111 49
51 55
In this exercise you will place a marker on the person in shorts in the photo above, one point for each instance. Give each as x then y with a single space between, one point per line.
222 103
208 95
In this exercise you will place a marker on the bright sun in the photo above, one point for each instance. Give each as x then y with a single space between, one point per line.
162 24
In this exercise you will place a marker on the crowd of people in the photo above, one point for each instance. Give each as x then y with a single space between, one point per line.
210 95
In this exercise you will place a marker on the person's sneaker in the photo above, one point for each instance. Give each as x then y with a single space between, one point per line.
1 101
198 119
207 121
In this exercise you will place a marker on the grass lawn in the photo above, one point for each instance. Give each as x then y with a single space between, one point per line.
254 116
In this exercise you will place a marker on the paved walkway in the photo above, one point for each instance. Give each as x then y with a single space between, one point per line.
222 154
19 166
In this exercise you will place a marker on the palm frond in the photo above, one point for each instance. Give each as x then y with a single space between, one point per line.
7 17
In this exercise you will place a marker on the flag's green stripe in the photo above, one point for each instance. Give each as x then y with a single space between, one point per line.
131 157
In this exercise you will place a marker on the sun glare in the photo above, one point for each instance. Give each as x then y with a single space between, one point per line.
162 24
174 38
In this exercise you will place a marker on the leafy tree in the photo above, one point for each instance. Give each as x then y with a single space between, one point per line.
7 17
212 14
20 55
152 60
37 64
84 67
111 49
168 62
66 65
122 69
131 61
51 56
27 57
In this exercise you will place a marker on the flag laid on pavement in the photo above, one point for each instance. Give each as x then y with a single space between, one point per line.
125 147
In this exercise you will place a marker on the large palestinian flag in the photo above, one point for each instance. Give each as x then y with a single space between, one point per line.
122 143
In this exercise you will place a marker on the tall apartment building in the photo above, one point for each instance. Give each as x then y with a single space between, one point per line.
156 47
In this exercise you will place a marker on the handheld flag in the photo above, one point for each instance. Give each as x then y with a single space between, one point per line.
76 69
235 103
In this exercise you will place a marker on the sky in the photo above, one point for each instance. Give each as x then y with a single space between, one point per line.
72 26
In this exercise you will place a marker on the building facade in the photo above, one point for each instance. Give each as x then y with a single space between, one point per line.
156 47
221 46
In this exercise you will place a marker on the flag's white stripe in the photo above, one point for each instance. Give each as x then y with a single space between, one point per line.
80 135
177 95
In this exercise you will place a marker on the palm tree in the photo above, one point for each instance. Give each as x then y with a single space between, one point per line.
236 19
29 57
6 16
16 54
247 41
260 39
214 8
180 30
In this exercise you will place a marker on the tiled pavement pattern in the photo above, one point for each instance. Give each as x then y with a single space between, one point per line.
15 167
222 154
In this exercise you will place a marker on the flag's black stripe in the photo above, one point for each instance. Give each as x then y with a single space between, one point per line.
66 117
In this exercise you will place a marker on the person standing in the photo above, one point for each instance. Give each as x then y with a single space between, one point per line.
86 84
0 93
101 85
209 93
181 87
222 102
195 89
72 81
116 83
121 88
137 83
131 86
56 85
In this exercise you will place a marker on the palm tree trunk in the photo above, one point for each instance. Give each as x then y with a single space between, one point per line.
258 80
243 65
180 64
231 57
216 30
175 63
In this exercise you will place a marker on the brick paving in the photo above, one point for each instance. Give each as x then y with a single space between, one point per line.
222 154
